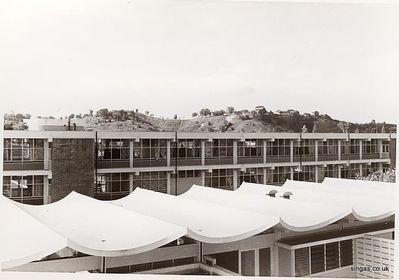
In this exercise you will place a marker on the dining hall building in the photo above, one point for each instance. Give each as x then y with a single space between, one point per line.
277 206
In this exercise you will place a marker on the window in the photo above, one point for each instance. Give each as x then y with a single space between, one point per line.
346 253
328 171
317 258
350 147
329 147
278 148
227 260
112 183
250 148
370 147
23 187
278 175
385 147
187 174
219 148
155 181
251 175
301 262
264 262
323 257
23 149
187 148
332 255
307 174
220 178
248 263
113 149
350 171
304 147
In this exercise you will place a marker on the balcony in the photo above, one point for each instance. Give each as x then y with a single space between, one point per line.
274 159
371 156
23 165
244 160
331 157
112 163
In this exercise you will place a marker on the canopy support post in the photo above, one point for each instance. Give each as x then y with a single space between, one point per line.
103 265
201 252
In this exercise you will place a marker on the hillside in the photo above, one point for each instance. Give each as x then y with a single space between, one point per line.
218 121
237 121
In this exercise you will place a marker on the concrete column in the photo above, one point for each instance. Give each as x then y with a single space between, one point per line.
202 178
264 151
131 153
235 179
360 170
339 149
168 153
316 174
360 149
339 171
274 261
292 173
265 176
239 262
235 152
168 191
380 165
130 182
202 152
316 150
292 150
257 268
46 155
46 198
293 262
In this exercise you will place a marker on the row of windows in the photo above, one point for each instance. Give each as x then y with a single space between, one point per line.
18 143
119 182
224 178
324 257
248 148
17 149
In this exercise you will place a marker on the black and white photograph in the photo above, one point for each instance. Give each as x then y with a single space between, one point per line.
194 139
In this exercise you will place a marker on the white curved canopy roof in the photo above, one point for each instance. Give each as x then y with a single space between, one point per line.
146 220
364 208
360 186
99 228
340 186
22 238
206 222
293 215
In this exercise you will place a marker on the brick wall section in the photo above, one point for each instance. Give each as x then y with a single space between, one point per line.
392 153
72 167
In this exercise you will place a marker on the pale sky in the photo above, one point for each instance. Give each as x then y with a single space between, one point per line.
176 57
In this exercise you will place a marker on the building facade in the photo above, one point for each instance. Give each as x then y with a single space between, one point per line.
44 166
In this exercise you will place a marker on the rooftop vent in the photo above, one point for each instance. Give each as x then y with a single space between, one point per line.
272 193
287 195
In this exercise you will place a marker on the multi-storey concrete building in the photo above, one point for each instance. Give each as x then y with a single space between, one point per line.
44 166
